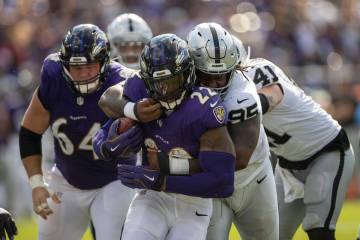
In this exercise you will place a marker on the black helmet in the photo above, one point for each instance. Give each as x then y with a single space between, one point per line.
85 44
167 69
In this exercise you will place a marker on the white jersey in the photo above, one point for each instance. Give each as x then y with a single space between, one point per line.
297 127
242 103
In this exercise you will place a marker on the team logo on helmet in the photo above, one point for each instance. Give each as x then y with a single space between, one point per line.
219 113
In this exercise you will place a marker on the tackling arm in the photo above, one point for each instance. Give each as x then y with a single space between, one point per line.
115 105
245 136
270 97
112 102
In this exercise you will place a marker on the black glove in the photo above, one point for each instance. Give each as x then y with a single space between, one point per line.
7 224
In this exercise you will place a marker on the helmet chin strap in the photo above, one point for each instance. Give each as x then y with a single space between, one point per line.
87 87
172 105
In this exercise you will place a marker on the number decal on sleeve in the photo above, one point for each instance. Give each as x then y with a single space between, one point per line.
65 143
261 76
275 139
203 98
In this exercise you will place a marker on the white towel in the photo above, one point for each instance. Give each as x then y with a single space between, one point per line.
293 188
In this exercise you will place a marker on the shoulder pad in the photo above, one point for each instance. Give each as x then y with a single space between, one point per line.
242 105
203 94
207 105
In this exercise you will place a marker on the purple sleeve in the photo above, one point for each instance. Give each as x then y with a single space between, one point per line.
44 91
135 89
215 116
50 82
216 180
212 115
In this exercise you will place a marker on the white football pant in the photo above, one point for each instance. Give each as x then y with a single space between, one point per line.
106 207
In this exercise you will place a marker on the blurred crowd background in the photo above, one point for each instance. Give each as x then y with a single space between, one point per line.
316 41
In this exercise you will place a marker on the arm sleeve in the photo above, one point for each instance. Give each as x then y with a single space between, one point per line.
213 115
43 91
216 180
134 89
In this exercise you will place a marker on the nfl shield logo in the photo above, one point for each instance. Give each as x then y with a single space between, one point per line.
80 101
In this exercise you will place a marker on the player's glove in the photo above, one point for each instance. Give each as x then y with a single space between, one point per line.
140 177
7 224
117 145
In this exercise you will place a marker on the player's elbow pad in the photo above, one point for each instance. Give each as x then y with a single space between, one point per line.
222 166
29 143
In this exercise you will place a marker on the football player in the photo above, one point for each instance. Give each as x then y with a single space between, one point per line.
315 159
216 57
7 224
80 185
253 206
192 126
128 34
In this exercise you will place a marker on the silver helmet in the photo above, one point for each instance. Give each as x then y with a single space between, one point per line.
243 55
214 52
128 34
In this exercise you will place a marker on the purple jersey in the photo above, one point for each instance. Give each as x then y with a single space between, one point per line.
73 121
179 133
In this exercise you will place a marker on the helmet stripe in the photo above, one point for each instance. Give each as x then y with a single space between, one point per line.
131 27
153 56
162 54
216 44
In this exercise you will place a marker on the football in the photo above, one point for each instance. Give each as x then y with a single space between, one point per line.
125 124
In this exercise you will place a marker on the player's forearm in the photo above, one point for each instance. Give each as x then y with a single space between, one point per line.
112 109
173 165
30 150
32 165
112 102
217 180
245 136
270 97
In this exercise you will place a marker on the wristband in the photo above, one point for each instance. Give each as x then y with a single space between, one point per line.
36 181
179 166
129 111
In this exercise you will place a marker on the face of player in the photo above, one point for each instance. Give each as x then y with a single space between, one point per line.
130 51
169 87
212 80
84 72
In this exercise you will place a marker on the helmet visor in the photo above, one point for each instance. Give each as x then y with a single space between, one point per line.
168 88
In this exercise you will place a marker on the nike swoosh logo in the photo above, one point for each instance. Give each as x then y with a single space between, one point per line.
241 100
260 180
150 178
213 104
114 148
200 214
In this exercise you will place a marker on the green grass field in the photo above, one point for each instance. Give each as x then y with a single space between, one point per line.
346 228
